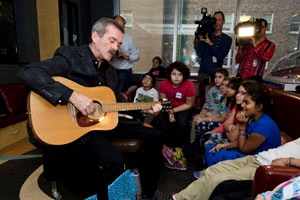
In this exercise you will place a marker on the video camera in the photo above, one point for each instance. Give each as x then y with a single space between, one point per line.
248 29
205 25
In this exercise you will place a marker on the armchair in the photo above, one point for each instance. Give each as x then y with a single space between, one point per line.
286 108
268 177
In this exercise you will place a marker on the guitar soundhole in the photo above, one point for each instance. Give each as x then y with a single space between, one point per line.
98 113
92 118
84 120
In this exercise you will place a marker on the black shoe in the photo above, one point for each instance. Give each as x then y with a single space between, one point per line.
162 196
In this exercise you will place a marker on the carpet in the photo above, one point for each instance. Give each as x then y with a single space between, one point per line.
21 178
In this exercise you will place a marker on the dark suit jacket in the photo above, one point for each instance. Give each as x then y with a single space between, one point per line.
75 63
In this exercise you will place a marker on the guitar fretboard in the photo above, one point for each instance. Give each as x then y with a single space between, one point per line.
126 106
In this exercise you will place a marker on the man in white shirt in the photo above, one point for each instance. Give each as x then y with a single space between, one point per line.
125 57
238 169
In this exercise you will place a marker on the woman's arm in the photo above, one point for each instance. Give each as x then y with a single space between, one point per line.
254 140
229 121
232 133
291 162
216 118
247 145
219 118
229 145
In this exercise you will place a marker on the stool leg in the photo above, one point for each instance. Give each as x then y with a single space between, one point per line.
54 189
139 185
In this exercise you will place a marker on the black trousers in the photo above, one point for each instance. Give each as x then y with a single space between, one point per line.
177 132
109 159
233 190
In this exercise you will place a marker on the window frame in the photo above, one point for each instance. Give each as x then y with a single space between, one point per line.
295 32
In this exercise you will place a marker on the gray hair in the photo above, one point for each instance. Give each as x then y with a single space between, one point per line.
101 24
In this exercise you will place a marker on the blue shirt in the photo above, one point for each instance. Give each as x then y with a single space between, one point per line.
269 129
212 57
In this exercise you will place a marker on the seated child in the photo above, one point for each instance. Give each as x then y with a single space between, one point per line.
210 108
147 93
174 122
206 124
226 130
256 130
219 134
212 99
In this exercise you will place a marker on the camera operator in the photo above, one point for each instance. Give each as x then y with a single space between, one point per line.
212 49
252 57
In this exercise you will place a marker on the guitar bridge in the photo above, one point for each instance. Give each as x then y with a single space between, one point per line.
72 112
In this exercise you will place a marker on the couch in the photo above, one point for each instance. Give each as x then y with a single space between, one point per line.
286 107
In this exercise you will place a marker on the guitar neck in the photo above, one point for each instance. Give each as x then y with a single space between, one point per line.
126 106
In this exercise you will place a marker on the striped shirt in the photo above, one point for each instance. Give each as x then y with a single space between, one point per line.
252 60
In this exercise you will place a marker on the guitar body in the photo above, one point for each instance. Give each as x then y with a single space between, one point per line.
53 124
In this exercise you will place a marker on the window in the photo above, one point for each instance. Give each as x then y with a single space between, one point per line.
69 31
166 28
269 18
229 23
295 24
128 17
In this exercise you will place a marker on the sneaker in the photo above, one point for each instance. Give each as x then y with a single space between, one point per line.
177 165
168 153
162 196
197 174
179 157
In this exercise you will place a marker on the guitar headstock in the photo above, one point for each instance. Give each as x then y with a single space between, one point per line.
166 104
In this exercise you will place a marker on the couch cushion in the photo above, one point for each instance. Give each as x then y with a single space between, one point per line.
14 96
3 109
285 138
11 119
286 106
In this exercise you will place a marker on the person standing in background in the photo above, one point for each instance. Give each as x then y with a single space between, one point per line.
212 50
125 57
252 57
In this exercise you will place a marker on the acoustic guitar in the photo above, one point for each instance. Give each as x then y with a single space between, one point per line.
62 124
